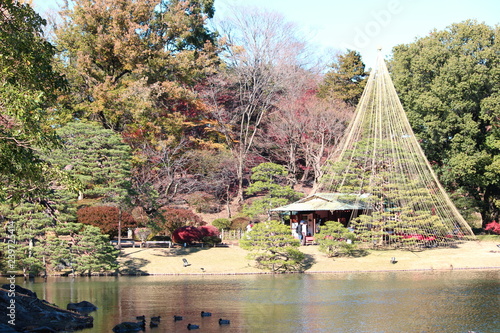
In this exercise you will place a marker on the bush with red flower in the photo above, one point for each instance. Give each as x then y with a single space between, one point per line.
493 227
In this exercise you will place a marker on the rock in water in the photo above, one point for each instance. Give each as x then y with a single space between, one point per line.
128 327
82 307
27 313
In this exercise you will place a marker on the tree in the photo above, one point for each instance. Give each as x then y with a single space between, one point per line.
93 253
135 61
449 86
269 178
324 121
175 218
273 247
334 239
28 90
106 218
133 67
346 80
97 157
263 52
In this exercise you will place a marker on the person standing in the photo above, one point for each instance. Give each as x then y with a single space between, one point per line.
303 227
295 227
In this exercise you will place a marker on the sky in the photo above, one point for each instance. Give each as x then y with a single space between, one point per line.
363 25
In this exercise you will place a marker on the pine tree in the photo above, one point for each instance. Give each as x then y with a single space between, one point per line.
346 80
273 247
269 178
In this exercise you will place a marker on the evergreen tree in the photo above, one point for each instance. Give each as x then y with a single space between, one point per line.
273 247
449 85
98 158
269 178
346 80
334 239
92 252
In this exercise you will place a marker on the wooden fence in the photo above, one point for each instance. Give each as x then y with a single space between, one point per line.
228 235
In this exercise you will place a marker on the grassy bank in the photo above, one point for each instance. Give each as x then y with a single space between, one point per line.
483 254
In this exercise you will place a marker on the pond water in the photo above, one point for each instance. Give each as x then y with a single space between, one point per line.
424 301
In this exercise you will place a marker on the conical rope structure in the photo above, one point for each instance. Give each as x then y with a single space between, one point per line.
381 166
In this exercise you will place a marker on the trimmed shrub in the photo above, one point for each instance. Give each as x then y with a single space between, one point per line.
240 223
209 231
222 223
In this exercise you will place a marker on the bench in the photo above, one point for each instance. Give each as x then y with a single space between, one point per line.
123 242
310 240
148 243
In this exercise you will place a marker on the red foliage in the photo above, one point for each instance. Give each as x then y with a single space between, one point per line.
208 231
106 218
187 234
179 217
494 227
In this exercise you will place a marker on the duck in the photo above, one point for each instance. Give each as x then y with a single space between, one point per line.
224 321
140 317
205 314
177 318
192 326
157 318
153 324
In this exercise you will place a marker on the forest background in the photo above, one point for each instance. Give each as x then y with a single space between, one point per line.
143 115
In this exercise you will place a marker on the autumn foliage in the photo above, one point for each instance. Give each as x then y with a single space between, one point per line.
175 218
105 218
187 234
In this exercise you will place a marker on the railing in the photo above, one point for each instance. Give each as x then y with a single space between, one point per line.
227 235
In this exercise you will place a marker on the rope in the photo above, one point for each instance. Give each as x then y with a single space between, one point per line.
380 156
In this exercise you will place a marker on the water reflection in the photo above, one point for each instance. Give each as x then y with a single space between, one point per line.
454 301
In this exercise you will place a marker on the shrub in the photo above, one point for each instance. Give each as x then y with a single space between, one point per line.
175 218
209 231
493 227
222 223
142 233
211 240
239 223
187 234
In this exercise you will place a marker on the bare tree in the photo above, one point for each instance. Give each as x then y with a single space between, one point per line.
325 123
263 50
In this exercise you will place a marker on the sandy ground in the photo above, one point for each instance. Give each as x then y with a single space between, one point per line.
232 260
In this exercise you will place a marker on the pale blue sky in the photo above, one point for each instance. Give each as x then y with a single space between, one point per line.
364 25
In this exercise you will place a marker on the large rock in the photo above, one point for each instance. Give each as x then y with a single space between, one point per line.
19 289
83 307
27 313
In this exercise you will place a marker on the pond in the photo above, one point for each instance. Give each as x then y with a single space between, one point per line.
422 301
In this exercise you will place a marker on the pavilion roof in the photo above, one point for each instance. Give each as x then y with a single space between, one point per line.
327 201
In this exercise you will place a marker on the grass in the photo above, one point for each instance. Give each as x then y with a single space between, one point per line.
481 254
